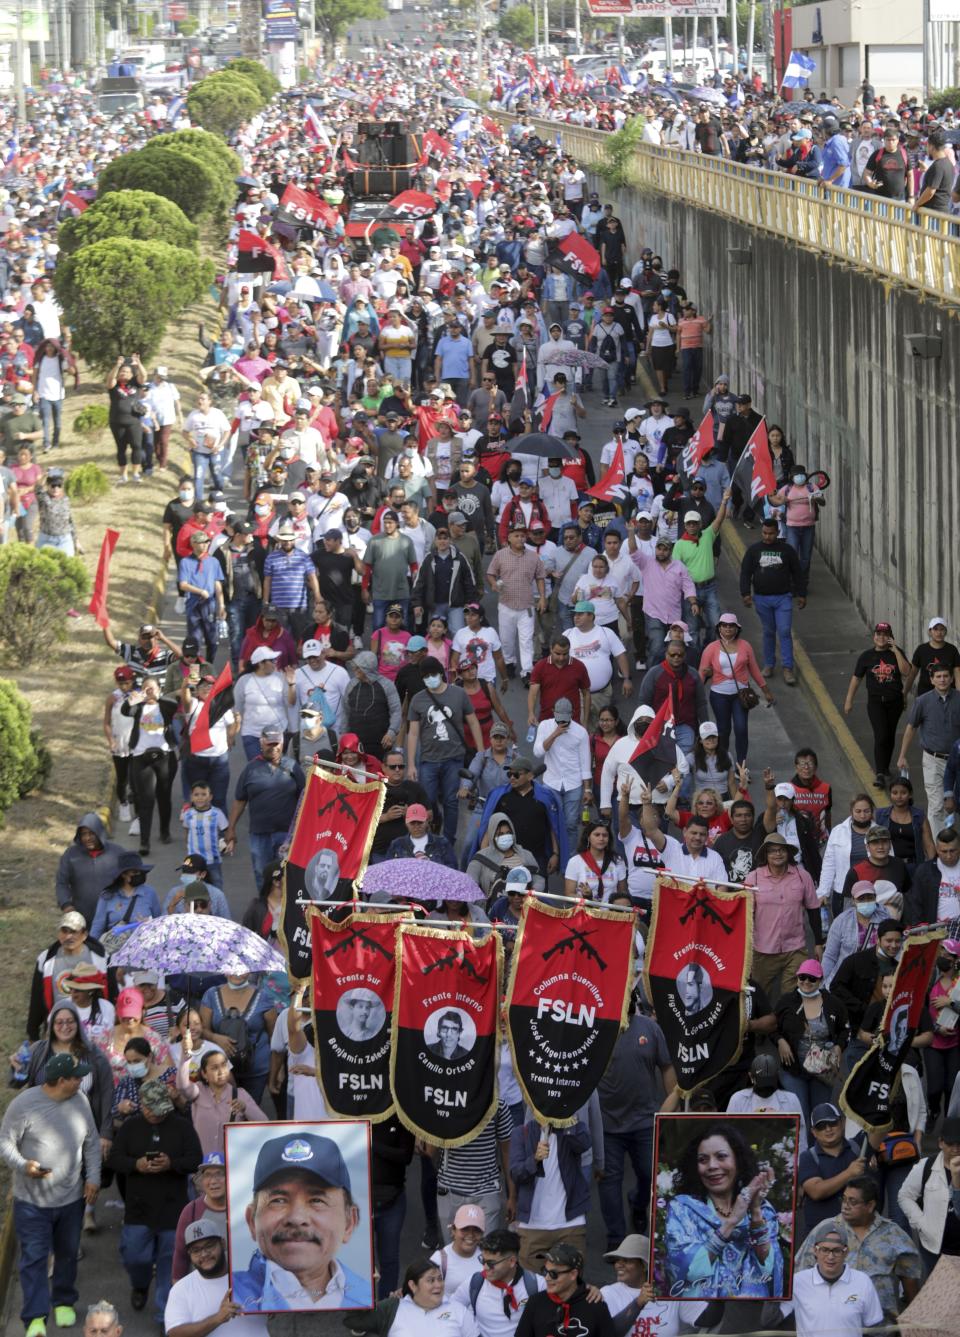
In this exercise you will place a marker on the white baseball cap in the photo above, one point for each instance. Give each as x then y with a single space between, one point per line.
936 622
311 648
263 652
632 413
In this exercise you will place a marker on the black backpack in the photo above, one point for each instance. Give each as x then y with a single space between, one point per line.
608 348
233 1026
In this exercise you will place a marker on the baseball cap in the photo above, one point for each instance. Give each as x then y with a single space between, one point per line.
470 1215
308 1153
162 371
518 879
885 627
262 653
562 709
633 1246
876 833
146 977
936 622
784 790
271 735
129 1003
630 414
64 1065
811 967
311 648
499 728
709 730
584 606
692 518
204 1229
456 518
565 1255
416 643
416 812
825 1113
74 920
213 1158
765 1066
862 888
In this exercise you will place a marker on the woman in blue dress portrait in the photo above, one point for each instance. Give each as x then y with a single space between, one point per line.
721 1232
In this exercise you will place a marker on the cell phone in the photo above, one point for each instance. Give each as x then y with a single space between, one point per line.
45 1169
153 1155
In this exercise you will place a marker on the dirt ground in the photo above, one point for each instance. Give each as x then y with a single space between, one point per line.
67 695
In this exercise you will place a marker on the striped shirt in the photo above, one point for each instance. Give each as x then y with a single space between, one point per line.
288 572
475 1168
517 571
203 832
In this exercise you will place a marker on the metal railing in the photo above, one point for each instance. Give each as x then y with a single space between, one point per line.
878 236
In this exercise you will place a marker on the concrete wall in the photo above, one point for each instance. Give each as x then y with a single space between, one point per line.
822 350
881 38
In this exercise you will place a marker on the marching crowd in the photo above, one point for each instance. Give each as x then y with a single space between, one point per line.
393 433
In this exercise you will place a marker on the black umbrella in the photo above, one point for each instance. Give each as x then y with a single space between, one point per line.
542 444
246 181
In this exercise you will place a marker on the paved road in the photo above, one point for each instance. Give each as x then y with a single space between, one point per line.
774 735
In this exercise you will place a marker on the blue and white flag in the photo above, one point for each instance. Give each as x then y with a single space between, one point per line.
461 126
798 71
736 97
519 90
175 109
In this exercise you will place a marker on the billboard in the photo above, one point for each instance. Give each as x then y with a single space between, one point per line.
662 9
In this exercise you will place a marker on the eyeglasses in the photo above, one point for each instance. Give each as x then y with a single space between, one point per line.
553 1273
830 1248
393 766
494 1262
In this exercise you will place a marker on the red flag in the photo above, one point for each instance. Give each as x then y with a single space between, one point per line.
259 253
758 449
696 449
488 123
651 734
434 143
200 738
546 411
581 253
75 201
411 204
612 479
348 162
98 600
304 207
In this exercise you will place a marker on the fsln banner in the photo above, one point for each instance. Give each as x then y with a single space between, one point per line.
695 970
567 999
354 981
871 1087
443 1056
329 850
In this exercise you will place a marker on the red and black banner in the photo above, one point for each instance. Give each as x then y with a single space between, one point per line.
256 255
575 256
568 996
303 209
354 980
409 204
873 1082
329 849
695 971
443 1056
215 705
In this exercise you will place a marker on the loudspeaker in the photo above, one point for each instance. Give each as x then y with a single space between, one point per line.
380 180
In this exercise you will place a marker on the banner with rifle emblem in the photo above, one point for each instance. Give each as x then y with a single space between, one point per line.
569 991
329 849
354 978
695 970
443 1055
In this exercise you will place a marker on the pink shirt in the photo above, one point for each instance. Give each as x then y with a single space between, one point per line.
211 1116
779 922
742 658
665 586
801 512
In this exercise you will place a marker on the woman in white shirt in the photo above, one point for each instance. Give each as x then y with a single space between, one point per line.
261 698
51 391
661 341
421 1311
604 591
595 872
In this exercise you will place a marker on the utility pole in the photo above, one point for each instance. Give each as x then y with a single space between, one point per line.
18 69
41 41
578 37
734 44
751 20
250 29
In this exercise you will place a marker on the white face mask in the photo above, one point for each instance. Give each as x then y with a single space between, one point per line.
433 682
555 471
503 842
262 510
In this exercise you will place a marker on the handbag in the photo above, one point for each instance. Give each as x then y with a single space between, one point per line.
138 411
748 697
822 1060
115 937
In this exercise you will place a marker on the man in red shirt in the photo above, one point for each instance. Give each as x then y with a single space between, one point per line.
811 794
555 677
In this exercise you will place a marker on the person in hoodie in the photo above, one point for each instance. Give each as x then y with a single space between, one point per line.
73 946
88 863
620 754
549 1194
363 489
501 852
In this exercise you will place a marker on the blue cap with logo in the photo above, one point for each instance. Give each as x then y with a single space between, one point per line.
307 1152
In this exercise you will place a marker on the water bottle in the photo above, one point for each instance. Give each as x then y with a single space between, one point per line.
531 733
22 1059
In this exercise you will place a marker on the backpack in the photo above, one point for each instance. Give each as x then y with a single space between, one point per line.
477 1280
608 348
234 1027
925 1174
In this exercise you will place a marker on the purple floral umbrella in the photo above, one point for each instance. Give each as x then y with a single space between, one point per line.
196 944
419 880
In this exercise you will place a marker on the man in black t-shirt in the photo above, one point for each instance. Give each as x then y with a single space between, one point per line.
886 171
884 668
399 793
936 189
936 652
707 134
738 847
335 571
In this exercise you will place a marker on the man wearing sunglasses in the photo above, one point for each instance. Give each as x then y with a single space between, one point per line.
498 1294
563 1309
400 794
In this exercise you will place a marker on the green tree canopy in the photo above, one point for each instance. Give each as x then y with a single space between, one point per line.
516 25
333 16
189 182
129 213
267 83
119 294
201 144
223 101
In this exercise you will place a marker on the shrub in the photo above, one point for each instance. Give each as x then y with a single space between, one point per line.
94 418
202 144
86 483
24 761
267 84
618 152
37 587
947 97
118 295
190 183
129 213
223 101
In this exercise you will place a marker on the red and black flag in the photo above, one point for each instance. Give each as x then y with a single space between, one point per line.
256 255
303 209
695 971
329 850
575 256
215 705
443 1056
656 752
354 979
568 996
408 206
872 1085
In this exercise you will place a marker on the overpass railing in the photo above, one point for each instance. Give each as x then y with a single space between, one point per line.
878 236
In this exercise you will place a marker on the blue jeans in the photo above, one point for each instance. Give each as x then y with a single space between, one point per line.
214 771
63 542
800 539
264 848
441 779
617 1147
685 740
454 616
571 801
809 1090
202 624
140 1248
775 612
399 368
201 463
612 372
42 1231
380 607
564 616
656 640
51 415
691 365
241 615
387 1228
705 622
727 708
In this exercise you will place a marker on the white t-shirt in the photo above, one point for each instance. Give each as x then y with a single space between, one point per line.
660 1317
595 650
644 864
707 865
781 1102
603 592
845 1306
548 1205
200 425
308 1102
481 644
194 1298
578 870
325 684
456 1269
491 1319
449 1319
948 897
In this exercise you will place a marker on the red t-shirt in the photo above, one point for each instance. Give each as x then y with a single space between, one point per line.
555 683
718 824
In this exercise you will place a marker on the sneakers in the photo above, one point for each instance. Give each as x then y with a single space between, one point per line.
767 670
640 665
126 812
789 677
134 828
65 1317
37 1327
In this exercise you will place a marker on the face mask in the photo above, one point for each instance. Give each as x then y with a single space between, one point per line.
262 510
764 1090
945 963
409 452
799 479
554 471
187 878
514 474
866 908
503 842
433 682
186 493
137 1069
807 992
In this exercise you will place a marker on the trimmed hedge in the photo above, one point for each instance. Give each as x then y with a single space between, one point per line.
129 213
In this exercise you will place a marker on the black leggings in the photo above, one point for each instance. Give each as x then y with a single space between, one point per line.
151 777
128 434
941 1067
121 769
884 716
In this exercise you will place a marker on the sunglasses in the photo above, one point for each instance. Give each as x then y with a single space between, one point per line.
554 1273
393 766
807 979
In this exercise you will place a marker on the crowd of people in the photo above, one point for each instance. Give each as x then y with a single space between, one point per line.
407 586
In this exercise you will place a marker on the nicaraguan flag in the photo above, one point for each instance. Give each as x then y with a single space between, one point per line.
519 90
736 97
798 71
461 126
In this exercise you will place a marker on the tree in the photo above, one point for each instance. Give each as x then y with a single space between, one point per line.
119 294
201 144
267 83
333 16
128 213
189 182
223 101
516 25
24 760
35 594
